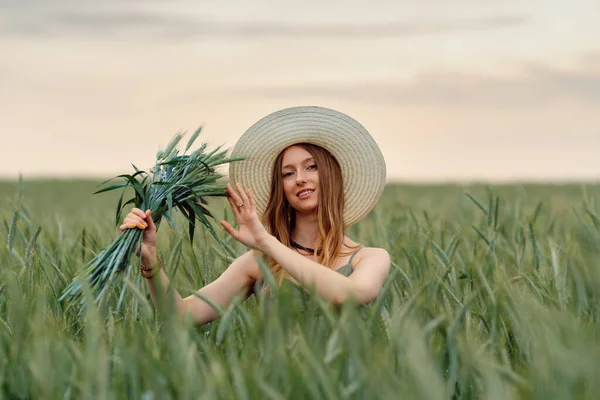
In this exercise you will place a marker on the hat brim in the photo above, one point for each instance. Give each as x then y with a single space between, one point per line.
361 161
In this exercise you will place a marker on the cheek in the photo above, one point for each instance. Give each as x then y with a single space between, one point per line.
288 188
315 177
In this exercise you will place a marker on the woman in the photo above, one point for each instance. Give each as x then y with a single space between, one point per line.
309 173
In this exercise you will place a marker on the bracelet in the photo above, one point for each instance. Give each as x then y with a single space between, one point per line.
146 272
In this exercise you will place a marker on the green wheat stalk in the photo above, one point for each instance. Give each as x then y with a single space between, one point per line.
177 182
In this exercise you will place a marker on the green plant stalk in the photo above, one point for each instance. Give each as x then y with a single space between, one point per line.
180 182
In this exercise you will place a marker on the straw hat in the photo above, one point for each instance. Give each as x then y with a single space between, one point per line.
362 164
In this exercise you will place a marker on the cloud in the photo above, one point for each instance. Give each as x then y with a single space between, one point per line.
36 21
535 86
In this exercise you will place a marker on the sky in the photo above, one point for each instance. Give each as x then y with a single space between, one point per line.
450 90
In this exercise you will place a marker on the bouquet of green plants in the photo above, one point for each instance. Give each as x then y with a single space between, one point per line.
177 182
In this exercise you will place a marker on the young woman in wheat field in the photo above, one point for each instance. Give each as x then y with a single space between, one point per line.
307 174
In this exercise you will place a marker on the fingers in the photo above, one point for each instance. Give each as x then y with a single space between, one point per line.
133 221
251 197
138 219
242 194
237 200
150 220
138 212
230 229
240 197
236 211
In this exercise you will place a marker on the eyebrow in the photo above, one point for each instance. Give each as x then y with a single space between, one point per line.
303 162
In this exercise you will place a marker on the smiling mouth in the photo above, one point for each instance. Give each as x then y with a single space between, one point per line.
304 193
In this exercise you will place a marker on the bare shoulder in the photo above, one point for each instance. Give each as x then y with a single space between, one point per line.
367 255
374 253
370 272
375 257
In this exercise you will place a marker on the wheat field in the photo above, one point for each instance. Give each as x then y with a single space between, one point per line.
493 293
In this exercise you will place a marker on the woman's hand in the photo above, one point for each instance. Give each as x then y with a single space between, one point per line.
251 232
143 220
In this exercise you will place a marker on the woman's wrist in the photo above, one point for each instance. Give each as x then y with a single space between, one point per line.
150 262
149 257
149 271
265 242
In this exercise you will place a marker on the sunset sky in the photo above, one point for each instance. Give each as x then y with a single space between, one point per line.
451 90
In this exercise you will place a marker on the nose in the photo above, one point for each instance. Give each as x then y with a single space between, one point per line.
300 179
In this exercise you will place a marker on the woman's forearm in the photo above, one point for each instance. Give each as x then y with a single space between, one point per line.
160 282
158 286
200 306
328 283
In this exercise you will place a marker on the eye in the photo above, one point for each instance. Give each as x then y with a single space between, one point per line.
312 166
286 174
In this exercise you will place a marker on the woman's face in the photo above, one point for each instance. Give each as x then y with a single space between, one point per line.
300 179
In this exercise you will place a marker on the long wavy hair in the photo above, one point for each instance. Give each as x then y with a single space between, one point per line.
280 218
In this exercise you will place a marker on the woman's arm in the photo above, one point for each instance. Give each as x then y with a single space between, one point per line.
235 280
362 285
159 281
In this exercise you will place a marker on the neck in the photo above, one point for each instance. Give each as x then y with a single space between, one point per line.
306 230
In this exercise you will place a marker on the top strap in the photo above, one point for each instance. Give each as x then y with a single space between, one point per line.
352 256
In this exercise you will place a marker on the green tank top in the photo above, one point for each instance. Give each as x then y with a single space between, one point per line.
345 270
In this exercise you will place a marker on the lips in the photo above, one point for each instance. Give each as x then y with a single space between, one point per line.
304 192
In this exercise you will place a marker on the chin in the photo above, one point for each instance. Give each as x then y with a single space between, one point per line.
307 209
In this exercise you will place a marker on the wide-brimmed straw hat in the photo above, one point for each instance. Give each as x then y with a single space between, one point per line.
362 164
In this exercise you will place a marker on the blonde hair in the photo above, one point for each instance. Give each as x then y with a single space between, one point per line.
280 218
